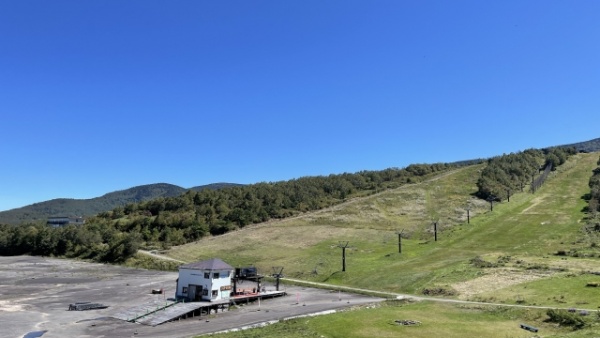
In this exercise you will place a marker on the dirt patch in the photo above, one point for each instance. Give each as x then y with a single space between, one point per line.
7 306
496 279
534 203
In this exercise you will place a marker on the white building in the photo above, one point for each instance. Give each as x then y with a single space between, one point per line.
208 280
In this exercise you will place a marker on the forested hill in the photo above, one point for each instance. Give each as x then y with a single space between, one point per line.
89 207
587 146
215 186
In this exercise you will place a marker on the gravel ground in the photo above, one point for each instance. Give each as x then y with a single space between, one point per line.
35 294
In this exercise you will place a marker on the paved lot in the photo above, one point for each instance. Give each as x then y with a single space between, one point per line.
35 294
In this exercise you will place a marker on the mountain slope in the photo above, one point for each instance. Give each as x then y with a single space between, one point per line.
518 240
89 207
587 146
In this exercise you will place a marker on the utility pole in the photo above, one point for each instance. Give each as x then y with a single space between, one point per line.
468 215
278 274
343 246
400 240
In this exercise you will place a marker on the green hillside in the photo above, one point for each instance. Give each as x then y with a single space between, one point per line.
513 244
530 251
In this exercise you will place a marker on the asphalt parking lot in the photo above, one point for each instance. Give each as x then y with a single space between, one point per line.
35 293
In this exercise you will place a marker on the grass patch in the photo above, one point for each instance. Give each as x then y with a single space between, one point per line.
436 320
564 290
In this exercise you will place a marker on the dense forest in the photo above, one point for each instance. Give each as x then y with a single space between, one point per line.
89 241
114 236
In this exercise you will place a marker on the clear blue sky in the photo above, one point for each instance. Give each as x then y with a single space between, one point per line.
98 96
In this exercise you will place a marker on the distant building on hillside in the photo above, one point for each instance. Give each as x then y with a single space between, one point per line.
208 280
60 221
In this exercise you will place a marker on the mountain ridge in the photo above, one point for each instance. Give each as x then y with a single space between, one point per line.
40 211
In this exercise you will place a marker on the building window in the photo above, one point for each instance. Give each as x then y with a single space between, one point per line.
184 290
215 293
216 275
205 292
207 275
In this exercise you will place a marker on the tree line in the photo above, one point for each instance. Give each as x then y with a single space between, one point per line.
594 196
591 228
504 175
89 241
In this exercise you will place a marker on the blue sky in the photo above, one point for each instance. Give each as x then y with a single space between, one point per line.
98 96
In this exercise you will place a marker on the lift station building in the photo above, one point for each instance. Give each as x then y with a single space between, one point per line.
208 280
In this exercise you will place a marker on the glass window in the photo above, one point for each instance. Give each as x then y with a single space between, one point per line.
216 275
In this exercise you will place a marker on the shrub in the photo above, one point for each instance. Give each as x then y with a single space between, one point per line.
565 318
479 262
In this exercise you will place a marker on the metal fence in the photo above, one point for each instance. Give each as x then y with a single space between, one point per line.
536 183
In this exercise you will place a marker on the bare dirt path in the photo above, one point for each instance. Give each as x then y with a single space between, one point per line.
159 256
424 298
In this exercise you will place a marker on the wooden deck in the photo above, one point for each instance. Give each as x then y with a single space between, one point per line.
248 297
